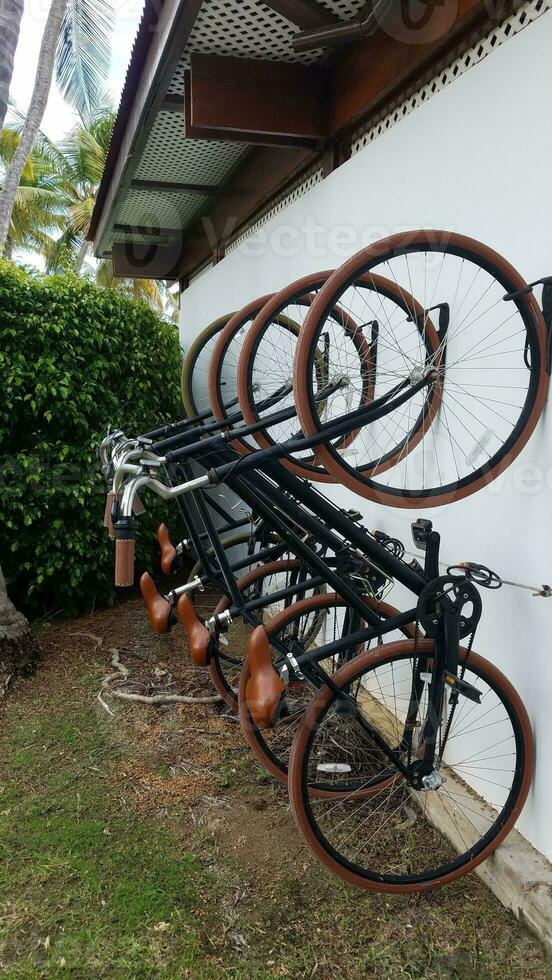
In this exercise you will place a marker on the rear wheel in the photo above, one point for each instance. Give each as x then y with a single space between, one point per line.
311 623
346 361
383 834
243 545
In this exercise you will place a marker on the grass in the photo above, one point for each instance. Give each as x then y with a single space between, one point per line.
80 873
151 845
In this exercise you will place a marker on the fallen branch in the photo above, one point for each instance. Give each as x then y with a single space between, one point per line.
166 698
122 673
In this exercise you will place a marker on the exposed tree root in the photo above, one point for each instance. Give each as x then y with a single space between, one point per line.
112 685
165 698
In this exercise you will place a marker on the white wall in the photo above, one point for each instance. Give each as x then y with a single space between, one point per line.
476 159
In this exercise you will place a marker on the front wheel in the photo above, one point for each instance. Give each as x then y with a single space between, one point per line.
383 834
489 369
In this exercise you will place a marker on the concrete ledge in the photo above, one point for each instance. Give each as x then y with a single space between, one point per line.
521 878
518 874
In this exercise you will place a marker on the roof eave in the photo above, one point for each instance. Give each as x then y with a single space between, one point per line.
158 44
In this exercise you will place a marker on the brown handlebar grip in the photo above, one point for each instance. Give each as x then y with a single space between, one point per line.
168 550
124 563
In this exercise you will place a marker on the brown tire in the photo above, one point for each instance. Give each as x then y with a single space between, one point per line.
236 322
299 797
354 270
253 735
317 470
190 361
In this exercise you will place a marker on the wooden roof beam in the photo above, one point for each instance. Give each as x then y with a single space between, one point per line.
358 93
152 230
256 101
135 260
305 14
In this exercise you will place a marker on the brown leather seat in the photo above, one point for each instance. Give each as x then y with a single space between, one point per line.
198 635
159 610
168 550
265 688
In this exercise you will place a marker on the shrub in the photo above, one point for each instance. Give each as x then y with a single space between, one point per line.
73 358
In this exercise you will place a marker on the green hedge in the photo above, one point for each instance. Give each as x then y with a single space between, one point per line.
73 358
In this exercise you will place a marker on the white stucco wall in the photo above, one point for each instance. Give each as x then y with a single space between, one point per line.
476 159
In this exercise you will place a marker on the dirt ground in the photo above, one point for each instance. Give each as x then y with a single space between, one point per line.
144 841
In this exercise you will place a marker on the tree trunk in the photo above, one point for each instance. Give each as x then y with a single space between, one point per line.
43 81
83 250
11 12
19 650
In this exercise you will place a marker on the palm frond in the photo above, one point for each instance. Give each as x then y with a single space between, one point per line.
83 157
101 126
84 53
62 254
80 215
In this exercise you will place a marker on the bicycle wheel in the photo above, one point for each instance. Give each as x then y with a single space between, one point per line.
384 834
228 657
322 618
196 365
345 366
490 364
273 392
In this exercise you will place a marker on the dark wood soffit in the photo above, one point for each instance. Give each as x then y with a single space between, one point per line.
363 95
255 98
372 71
250 138
226 217
306 14
143 261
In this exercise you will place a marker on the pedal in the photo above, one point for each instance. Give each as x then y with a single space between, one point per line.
462 687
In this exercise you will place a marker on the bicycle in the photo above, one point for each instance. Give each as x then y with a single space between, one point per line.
361 755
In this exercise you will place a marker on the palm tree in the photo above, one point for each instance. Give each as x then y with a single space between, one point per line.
11 12
57 192
39 202
78 163
76 44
